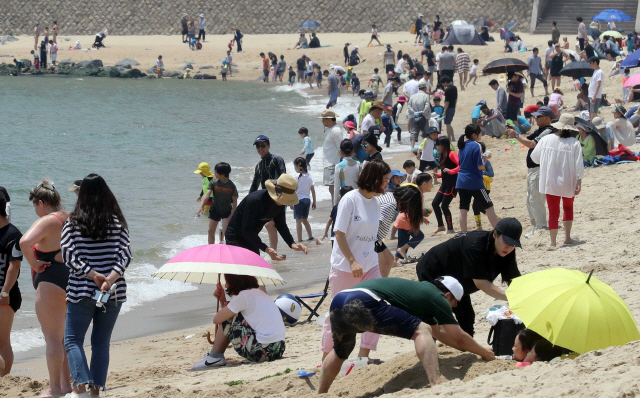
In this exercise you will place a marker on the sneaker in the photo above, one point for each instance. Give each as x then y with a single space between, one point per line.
209 362
530 234
76 395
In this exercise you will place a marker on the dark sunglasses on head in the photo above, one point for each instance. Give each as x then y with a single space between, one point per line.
261 146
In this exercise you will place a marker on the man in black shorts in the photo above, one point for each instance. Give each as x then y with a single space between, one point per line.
420 311
185 28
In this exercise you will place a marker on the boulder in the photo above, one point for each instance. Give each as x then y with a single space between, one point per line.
132 73
66 63
67 39
236 71
206 67
109 71
187 66
93 64
204 76
27 62
127 62
174 74
7 39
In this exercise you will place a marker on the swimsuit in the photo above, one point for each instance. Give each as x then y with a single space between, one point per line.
57 273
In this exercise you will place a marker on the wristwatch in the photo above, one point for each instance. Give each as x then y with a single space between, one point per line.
4 294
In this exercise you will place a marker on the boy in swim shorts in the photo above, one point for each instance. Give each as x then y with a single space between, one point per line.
224 195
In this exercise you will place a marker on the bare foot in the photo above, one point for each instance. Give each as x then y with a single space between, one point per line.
552 248
570 241
440 229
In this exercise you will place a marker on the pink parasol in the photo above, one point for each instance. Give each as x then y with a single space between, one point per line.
633 80
206 264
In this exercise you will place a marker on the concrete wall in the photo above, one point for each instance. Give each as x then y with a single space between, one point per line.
146 17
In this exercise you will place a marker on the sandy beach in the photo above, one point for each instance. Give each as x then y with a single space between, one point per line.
607 223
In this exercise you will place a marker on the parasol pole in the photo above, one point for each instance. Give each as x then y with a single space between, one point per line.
590 273
215 333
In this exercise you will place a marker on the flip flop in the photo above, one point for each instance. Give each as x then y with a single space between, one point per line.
304 373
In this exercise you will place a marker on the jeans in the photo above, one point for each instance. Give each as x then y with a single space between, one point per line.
408 237
535 200
79 316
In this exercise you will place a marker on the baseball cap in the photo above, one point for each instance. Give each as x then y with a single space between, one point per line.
397 173
452 285
350 125
261 138
356 46
511 230
368 94
422 84
543 111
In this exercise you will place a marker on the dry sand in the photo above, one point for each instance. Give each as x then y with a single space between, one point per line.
607 221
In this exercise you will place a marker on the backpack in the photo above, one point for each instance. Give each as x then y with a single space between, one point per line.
504 335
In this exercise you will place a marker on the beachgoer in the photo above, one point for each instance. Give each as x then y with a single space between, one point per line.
229 60
622 128
96 248
389 58
582 33
447 63
356 229
557 63
330 148
307 149
536 72
10 296
251 322
411 217
301 63
450 101
605 131
561 174
425 150
588 144
387 123
418 111
40 246
501 95
333 88
595 86
555 33
302 42
224 200
374 82
202 24
54 31
556 101
418 25
43 55
523 344
348 170
449 165
370 143
36 35
372 118
159 66
237 38
473 74
292 76
314 42
191 31
282 68
492 123
53 50
205 172
184 23
462 67
397 111
305 191
420 311
265 68
487 176
475 259
515 89
374 36
365 105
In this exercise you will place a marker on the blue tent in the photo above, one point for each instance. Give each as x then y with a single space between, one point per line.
632 61
612 15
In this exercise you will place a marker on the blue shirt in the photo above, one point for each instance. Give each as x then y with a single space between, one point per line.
524 124
386 123
470 176
438 109
475 114
308 145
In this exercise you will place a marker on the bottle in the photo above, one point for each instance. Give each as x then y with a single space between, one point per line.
352 364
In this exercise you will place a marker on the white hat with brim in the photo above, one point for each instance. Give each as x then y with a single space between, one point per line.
283 191
201 15
599 123
566 122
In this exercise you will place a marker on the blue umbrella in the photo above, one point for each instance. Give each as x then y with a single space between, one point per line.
510 26
309 25
593 32
612 15
507 35
632 61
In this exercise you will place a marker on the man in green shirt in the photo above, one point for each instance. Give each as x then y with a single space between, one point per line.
420 311
555 33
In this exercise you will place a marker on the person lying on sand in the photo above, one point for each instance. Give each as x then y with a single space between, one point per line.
530 347
420 311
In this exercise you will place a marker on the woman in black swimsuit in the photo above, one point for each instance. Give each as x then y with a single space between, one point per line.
41 248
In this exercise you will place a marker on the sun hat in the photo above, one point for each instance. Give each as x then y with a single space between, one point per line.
620 109
566 122
328 114
261 138
202 168
397 173
377 105
283 190
543 111
422 84
452 285
76 185
510 228
349 125
599 123
402 99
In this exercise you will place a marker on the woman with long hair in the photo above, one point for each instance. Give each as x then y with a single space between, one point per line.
96 248
561 173
447 192
356 229
41 247
470 183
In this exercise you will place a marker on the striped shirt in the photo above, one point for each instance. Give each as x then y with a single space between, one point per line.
82 254
388 209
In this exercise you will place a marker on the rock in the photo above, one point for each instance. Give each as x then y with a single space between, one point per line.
236 71
152 70
174 74
27 62
132 73
93 64
127 62
37 72
206 67
187 66
204 76
66 63
81 72
7 39
109 71
67 39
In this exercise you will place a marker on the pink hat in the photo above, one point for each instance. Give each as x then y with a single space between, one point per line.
402 98
349 125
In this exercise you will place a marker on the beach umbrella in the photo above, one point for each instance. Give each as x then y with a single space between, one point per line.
601 144
633 80
593 32
612 33
206 264
504 35
572 309
309 25
505 65
571 53
577 69
612 15
510 26
483 22
632 61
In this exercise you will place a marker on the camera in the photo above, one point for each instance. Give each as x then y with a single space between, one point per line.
102 298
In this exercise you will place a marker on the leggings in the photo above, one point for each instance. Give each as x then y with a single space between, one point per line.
554 210
399 130
444 201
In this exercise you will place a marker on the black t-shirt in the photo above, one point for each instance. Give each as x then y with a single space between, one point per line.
301 64
314 43
419 67
436 25
9 250
451 96
333 215
589 51
410 61
270 167
430 58
468 256
292 73
537 136
370 157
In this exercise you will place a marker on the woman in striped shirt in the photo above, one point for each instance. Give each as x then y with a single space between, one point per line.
95 247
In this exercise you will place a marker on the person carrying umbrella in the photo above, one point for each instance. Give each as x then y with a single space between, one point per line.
475 259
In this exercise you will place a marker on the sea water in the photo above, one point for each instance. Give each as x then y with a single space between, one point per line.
146 138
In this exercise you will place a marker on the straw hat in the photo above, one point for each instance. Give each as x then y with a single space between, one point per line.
328 114
283 191
566 122
599 123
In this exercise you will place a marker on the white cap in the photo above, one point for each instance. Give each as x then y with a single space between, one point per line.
356 46
453 285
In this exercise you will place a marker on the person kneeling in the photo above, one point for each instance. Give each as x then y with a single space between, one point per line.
420 311
251 322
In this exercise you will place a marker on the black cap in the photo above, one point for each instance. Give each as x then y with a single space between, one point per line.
511 230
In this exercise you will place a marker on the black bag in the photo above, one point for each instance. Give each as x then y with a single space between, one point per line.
504 336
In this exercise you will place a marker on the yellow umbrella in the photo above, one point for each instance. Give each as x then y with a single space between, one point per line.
612 33
572 309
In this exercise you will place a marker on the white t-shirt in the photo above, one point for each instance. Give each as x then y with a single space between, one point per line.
561 165
438 66
358 218
474 69
367 122
305 182
411 178
547 52
331 146
623 132
261 313
595 78
400 67
350 172
410 87
427 151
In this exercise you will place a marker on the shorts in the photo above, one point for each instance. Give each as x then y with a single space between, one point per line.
479 195
54 56
15 298
427 164
216 215
265 72
512 112
448 118
414 134
185 31
329 176
301 74
301 210
447 72
593 108
379 246
374 37
354 312
431 68
244 341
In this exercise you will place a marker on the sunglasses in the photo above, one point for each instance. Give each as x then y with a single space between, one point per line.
261 146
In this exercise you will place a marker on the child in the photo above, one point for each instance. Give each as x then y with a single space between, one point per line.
349 73
351 128
223 70
272 73
374 36
408 238
36 59
318 76
473 74
192 43
187 74
53 50
332 217
625 90
224 197
198 44
292 76
301 210
346 54
387 123
523 344
374 82
439 93
159 66
229 60
205 172
556 101
307 149
487 176
395 180
355 84
348 170
425 150
409 167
